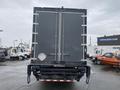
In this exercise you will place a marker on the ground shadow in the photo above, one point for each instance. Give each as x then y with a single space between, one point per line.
111 69
2 64
107 68
57 86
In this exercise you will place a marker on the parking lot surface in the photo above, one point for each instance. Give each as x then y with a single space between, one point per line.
13 77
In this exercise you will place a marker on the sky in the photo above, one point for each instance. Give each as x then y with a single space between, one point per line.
16 17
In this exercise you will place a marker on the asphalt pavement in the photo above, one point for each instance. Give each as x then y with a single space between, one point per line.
13 77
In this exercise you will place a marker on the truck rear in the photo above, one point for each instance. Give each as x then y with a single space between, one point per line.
59 45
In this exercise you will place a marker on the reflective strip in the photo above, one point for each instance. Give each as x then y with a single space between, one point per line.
48 80
33 58
83 25
83 15
55 80
35 33
34 42
83 34
36 23
83 44
62 80
35 14
69 81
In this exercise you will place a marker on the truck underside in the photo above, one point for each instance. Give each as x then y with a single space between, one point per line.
58 70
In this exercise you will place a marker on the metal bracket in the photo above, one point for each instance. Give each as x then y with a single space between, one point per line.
88 73
28 73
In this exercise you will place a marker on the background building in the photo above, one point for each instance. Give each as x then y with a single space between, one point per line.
108 40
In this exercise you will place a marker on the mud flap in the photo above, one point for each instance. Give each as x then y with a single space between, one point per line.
28 73
88 69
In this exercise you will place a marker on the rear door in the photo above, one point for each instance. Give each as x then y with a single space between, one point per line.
72 38
59 33
45 34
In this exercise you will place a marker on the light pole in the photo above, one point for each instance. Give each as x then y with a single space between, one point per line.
0 38
14 42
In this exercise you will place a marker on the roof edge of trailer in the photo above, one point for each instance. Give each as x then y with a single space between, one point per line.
60 9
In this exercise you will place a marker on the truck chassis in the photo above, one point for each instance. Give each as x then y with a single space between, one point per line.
58 71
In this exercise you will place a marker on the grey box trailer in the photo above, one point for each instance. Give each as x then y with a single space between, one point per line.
59 44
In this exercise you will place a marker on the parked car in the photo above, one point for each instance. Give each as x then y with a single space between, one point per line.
108 59
3 54
14 53
17 53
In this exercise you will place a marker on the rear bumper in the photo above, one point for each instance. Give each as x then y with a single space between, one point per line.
59 71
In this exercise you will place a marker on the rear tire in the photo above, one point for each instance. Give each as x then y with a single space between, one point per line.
117 69
98 62
26 56
21 58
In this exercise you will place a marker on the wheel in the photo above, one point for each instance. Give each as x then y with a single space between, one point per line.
37 79
98 62
26 56
117 69
21 58
95 62
78 80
